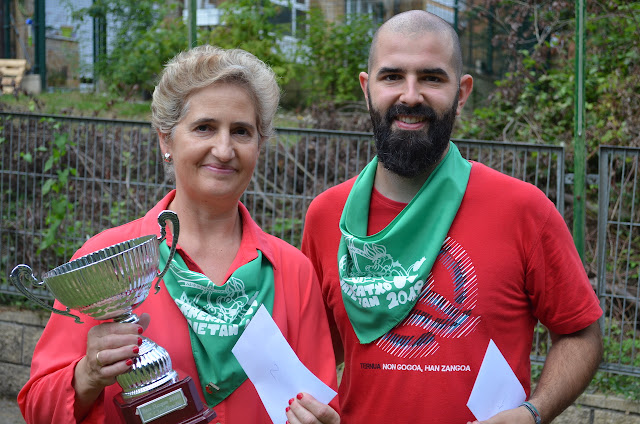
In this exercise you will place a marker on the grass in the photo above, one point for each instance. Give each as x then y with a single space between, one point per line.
103 105
75 103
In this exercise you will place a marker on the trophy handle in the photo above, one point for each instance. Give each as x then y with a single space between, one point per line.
24 273
162 221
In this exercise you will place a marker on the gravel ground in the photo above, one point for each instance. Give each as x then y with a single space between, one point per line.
9 412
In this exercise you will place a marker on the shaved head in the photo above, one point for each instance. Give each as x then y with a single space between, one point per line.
414 23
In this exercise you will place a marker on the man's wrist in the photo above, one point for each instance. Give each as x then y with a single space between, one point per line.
534 412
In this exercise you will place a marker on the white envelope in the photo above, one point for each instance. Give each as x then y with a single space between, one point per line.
273 367
496 388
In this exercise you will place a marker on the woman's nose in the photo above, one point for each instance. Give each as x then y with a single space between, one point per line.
222 147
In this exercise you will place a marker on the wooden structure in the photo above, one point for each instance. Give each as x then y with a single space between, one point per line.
11 72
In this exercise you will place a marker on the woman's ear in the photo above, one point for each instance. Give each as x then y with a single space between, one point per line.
163 142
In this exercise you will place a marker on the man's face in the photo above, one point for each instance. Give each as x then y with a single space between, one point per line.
409 153
413 99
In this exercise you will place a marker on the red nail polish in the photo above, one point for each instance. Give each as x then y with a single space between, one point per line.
136 350
287 410
140 330
290 401
139 341
299 396
129 362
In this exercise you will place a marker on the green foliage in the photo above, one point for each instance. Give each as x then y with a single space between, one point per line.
535 101
141 45
19 300
56 202
249 25
332 55
620 347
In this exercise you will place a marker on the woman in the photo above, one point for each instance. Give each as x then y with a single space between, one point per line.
212 109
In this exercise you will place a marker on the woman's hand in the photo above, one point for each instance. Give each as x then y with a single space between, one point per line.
305 409
111 348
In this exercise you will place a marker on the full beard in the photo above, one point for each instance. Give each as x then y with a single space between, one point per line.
411 153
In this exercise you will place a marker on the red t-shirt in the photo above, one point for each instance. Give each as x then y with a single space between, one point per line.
508 261
48 396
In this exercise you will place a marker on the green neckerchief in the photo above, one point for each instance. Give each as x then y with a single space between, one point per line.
217 317
381 275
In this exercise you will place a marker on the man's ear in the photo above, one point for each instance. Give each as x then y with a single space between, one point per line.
364 81
466 85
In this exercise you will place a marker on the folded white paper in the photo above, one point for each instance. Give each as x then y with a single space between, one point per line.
496 388
273 367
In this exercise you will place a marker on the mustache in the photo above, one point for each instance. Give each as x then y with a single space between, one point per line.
418 110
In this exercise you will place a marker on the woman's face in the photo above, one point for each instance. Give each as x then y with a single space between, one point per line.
215 147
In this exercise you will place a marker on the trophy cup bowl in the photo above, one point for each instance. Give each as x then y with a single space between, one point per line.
108 285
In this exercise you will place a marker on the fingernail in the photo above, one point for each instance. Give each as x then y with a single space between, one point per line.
287 409
136 350
299 396
290 401
129 362
139 341
140 330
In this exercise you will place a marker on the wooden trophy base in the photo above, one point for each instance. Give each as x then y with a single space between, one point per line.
178 403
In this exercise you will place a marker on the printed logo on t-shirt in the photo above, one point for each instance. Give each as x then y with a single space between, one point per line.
438 316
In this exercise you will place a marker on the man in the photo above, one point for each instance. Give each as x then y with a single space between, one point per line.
426 260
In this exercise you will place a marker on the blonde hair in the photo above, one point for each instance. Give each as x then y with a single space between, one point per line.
205 65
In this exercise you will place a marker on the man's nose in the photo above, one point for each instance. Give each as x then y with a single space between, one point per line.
411 94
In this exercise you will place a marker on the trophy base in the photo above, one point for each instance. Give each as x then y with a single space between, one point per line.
177 403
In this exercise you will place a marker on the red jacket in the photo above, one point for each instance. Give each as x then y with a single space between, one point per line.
48 396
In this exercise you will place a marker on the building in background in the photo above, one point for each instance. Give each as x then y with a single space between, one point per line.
72 47
67 52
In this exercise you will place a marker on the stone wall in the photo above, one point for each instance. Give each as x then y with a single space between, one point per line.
20 330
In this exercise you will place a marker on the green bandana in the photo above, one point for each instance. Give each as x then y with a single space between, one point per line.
381 275
217 317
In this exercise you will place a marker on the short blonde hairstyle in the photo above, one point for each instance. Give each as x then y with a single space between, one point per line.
204 65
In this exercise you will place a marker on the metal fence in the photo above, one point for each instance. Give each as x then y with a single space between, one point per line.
618 256
63 179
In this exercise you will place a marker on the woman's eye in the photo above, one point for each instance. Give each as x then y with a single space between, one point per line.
202 128
242 132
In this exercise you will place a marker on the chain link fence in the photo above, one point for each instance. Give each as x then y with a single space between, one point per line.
618 257
64 179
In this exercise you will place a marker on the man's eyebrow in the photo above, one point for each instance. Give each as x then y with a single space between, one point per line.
424 71
434 71
388 70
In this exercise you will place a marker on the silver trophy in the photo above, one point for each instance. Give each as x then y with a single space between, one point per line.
110 284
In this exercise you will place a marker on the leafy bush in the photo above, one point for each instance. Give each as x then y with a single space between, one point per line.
141 45
535 100
332 54
249 25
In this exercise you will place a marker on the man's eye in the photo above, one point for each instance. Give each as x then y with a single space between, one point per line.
202 128
392 77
